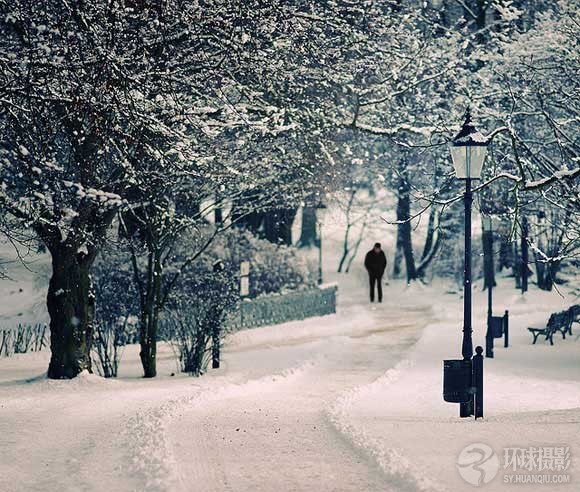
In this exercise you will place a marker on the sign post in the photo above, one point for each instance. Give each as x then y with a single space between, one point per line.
244 287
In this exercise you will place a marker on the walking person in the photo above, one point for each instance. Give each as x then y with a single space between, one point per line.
375 263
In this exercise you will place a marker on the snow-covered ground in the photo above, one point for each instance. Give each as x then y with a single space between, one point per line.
126 434
349 402
532 399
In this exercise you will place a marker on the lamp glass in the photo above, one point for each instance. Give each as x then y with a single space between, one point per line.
468 160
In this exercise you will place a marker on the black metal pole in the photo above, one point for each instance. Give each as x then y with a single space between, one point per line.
506 330
467 346
319 253
524 254
478 382
490 273
466 409
489 300
489 280
489 332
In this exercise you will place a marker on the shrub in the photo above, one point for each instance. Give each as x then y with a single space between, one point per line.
195 319
114 324
273 268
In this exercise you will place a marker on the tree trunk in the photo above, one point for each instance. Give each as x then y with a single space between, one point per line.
345 248
278 226
356 247
516 267
71 306
525 256
505 254
432 242
398 256
148 343
218 216
430 234
404 215
543 278
285 226
308 230
546 271
150 317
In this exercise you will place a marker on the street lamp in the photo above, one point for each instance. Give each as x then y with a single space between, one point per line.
497 326
468 150
487 226
321 209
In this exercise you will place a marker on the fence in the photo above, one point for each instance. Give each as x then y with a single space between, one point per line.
251 313
275 309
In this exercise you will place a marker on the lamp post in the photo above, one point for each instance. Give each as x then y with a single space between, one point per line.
321 209
468 151
487 225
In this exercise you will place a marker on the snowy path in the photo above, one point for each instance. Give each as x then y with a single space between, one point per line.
61 435
276 433
230 430
340 403
532 399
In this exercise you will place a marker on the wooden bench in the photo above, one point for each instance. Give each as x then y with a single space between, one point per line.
561 322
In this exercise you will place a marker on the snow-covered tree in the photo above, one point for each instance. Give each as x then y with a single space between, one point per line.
104 106
99 104
517 70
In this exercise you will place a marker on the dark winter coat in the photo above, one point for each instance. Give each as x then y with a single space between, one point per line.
375 263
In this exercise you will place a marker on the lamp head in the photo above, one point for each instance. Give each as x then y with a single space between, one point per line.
468 150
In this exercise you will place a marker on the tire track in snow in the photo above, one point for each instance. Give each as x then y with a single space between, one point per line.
399 470
146 434
308 450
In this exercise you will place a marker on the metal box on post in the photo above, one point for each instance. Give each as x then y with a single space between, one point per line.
457 381
497 324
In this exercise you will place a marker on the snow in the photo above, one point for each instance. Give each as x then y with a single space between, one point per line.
532 395
325 396
348 402
23 294
557 175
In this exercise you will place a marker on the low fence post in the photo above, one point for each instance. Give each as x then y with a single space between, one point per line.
506 329
478 381
489 339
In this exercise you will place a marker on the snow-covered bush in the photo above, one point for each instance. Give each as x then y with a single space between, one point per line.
194 321
273 268
109 340
208 291
116 299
